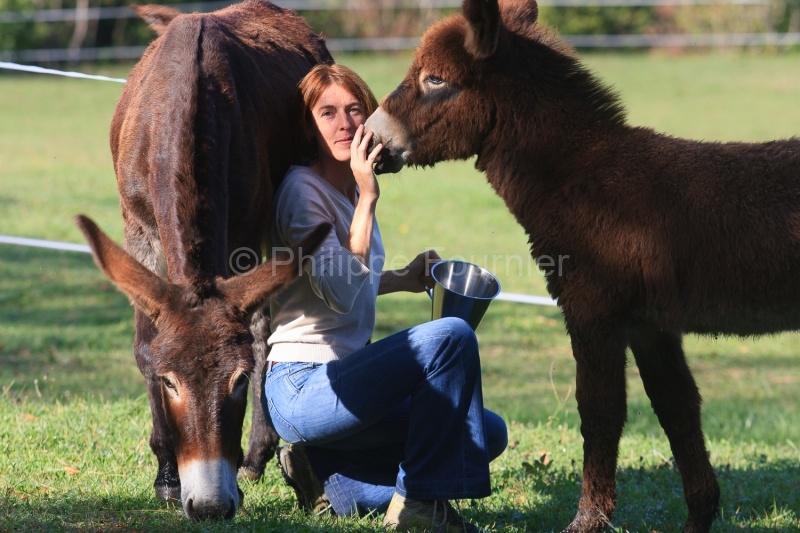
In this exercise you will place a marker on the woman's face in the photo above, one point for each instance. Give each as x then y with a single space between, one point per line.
337 114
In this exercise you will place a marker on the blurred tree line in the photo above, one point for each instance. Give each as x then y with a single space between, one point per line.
20 29
774 16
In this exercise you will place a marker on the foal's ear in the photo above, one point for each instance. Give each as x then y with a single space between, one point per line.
146 290
251 290
483 17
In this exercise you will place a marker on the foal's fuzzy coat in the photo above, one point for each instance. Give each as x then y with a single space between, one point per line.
659 236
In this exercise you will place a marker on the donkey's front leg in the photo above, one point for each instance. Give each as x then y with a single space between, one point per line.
167 484
263 438
602 404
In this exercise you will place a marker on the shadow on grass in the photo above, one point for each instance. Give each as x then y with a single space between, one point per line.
758 499
140 513
764 498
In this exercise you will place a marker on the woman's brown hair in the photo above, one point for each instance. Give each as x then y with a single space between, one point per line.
311 88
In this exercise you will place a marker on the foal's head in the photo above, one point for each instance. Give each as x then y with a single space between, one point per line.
202 354
469 86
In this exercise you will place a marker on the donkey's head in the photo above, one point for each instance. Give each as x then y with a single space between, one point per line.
202 354
445 107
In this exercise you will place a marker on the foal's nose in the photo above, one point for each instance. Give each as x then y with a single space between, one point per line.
373 142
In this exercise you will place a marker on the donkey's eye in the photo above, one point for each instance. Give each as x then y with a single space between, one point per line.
169 385
433 80
240 385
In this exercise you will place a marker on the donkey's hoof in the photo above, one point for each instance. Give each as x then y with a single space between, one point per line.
168 492
250 473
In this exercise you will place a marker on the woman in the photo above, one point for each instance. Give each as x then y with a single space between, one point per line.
397 423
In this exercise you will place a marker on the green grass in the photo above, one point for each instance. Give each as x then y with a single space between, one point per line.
74 419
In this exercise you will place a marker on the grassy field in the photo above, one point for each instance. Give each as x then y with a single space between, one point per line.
74 419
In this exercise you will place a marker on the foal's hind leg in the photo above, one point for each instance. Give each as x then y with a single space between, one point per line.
263 438
676 401
600 391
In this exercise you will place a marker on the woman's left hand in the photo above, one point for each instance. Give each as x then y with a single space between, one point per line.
361 163
419 271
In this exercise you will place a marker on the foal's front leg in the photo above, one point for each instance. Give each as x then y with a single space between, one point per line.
602 404
676 401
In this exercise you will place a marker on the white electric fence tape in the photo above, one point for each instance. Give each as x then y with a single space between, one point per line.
69 247
38 243
40 70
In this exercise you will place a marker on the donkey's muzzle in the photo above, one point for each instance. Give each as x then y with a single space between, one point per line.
384 130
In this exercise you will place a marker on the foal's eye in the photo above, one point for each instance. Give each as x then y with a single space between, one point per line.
243 339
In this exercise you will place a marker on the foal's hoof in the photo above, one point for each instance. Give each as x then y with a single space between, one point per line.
586 522
250 473
701 524
168 492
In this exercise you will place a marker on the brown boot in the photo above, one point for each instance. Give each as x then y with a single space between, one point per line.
297 473
405 514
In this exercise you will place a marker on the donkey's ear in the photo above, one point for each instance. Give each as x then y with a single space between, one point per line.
157 17
251 290
146 290
483 17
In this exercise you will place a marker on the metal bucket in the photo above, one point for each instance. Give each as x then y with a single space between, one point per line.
462 290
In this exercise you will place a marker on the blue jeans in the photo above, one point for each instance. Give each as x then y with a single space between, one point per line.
402 414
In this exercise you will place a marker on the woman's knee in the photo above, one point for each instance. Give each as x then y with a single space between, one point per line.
446 335
496 434
460 330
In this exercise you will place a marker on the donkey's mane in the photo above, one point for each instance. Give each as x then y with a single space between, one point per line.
577 79
550 37
556 63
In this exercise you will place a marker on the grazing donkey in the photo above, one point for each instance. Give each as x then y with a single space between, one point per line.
200 139
202 357
662 236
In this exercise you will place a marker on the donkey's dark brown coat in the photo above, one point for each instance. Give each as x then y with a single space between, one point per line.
200 138
657 236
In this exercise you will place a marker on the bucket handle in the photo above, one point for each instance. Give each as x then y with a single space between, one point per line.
429 290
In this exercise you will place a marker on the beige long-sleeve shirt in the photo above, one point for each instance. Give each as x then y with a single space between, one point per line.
329 312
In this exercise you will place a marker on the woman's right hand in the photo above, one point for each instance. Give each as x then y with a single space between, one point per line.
360 239
361 163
